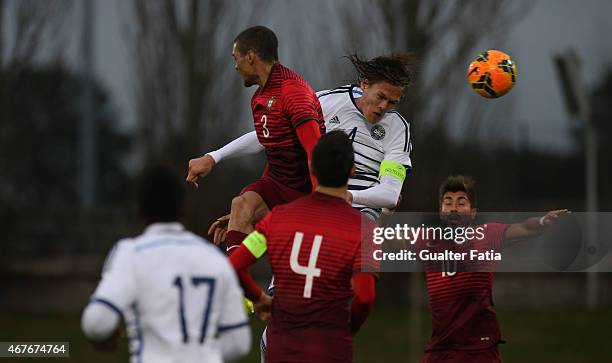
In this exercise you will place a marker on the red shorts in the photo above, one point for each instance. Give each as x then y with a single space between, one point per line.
490 355
272 192
308 345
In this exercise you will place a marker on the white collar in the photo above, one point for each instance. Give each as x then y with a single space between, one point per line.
165 227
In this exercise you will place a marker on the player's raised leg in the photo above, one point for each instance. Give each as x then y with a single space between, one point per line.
247 209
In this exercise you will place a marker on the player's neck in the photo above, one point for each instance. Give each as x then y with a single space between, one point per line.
263 73
339 192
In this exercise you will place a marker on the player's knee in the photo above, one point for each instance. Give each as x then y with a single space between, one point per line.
241 206
238 203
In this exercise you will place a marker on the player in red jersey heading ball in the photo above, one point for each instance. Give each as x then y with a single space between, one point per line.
288 121
315 251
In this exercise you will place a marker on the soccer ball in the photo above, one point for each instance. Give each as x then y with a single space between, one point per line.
492 74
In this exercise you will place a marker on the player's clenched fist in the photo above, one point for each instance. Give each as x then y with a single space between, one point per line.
199 168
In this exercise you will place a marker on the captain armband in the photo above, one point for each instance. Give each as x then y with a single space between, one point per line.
392 168
256 243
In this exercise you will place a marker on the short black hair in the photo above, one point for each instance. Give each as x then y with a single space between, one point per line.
398 68
459 183
259 39
160 194
332 159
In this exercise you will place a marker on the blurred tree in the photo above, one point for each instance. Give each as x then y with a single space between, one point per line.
38 140
181 52
39 116
34 27
39 152
188 96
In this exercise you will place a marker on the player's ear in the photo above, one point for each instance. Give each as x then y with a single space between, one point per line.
353 170
363 84
250 56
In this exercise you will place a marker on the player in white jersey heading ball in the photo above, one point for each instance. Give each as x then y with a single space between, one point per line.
177 293
380 135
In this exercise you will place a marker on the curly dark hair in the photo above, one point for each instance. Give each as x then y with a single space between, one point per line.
397 68
459 183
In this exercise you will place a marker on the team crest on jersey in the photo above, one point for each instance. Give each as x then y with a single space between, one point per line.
271 103
377 132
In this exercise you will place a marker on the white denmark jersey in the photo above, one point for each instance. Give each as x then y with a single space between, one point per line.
388 139
176 293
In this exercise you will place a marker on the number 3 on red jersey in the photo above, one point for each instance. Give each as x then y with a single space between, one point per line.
311 271
264 124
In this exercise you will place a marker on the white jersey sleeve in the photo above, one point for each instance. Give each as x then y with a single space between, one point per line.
116 291
384 195
243 145
99 321
394 167
118 287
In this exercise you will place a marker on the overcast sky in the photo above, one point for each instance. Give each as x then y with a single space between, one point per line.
549 27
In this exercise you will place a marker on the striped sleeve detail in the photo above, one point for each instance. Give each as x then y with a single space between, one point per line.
407 144
108 304
358 187
343 89
299 122
366 178
299 102
371 212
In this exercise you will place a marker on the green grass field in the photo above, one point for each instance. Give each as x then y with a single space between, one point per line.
389 336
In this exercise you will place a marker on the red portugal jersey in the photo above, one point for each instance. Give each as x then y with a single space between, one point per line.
314 248
285 102
462 310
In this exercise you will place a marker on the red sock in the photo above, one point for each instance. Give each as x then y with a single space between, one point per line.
233 240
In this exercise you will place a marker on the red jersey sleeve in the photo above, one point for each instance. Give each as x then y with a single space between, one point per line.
495 235
299 102
263 226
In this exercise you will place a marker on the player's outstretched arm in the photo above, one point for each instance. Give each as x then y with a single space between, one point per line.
252 248
202 166
532 227
363 286
241 259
